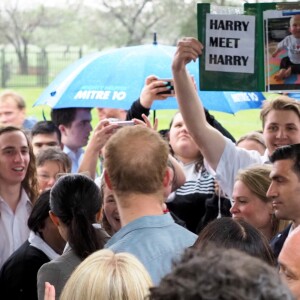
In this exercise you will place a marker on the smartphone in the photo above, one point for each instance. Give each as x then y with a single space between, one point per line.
170 85
122 123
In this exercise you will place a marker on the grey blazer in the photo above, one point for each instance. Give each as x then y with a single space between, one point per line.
57 272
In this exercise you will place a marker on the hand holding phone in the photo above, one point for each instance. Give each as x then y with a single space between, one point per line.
169 85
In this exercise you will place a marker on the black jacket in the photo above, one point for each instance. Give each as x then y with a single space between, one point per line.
18 276
278 241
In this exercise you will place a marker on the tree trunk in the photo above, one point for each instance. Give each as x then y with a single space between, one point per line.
23 60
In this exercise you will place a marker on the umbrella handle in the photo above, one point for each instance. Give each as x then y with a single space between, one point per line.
154 38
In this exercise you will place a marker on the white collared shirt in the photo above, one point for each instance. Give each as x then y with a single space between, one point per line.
76 158
37 242
13 226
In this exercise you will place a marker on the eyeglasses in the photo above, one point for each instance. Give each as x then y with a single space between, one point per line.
46 177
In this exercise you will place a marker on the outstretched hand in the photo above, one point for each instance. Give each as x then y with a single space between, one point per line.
188 49
147 122
103 131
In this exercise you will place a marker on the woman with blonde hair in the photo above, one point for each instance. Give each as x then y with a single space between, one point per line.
106 275
250 203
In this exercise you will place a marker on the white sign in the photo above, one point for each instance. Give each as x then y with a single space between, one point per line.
230 43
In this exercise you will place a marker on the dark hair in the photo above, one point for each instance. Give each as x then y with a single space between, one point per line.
75 200
220 273
238 234
64 116
45 127
288 152
40 212
29 183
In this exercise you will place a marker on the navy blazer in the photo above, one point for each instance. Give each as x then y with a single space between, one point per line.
18 274
278 241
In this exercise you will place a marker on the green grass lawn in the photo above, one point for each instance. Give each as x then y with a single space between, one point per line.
238 124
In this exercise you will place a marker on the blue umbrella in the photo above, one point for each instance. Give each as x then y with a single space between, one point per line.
229 102
115 78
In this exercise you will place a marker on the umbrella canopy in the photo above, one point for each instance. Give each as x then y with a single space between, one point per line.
115 78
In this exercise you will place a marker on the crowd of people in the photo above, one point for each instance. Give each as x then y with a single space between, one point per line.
133 213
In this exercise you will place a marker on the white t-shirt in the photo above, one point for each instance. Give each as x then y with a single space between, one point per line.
292 45
232 160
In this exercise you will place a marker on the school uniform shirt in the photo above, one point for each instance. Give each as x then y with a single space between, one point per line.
13 226
18 276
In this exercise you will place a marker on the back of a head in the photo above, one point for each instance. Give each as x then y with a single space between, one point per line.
40 212
110 276
136 160
75 200
237 234
221 274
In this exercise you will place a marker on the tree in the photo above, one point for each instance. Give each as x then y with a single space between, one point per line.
132 22
18 26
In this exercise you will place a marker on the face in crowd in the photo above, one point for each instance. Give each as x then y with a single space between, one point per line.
43 141
77 134
14 157
285 190
281 127
181 141
11 114
110 209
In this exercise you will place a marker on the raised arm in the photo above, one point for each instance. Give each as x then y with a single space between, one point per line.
210 141
101 134
153 86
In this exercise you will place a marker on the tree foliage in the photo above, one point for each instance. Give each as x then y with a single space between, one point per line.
97 24
20 27
133 22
